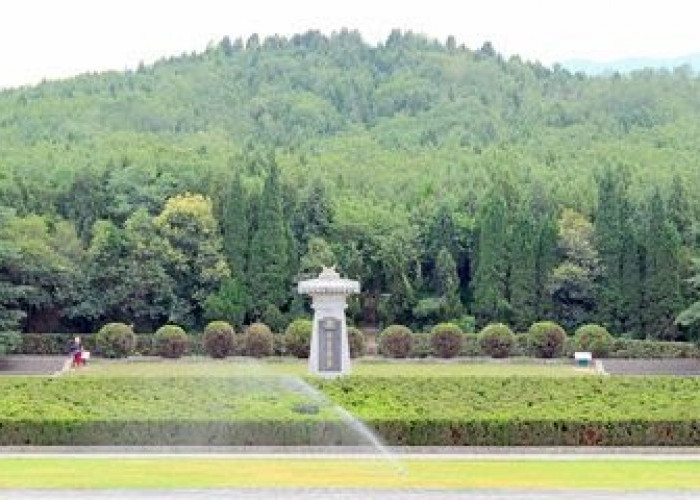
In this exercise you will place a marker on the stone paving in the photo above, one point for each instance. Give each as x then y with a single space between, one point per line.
32 365
684 367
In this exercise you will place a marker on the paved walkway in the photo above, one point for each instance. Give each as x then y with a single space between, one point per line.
33 365
679 366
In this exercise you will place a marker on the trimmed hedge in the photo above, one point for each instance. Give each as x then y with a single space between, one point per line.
258 340
9 341
497 432
471 346
356 341
396 341
546 339
497 340
524 411
218 339
649 349
593 338
465 411
116 340
59 343
446 340
297 338
420 346
171 341
173 432
54 344
161 411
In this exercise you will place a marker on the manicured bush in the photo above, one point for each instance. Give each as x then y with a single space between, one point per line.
446 340
520 411
521 346
171 341
9 341
258 340
356 341
279 346
420 346
471 346
54 343
594 339
218 339
405 410
497 340
546 339
44 343
146 345
395 341
116 340
297 338
649 349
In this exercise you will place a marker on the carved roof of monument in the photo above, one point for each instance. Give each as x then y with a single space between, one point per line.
329 282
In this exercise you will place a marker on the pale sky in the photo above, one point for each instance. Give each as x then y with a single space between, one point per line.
60 38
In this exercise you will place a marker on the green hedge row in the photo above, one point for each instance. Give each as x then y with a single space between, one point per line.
406 432
8 342
495 411
58 344
517 432
176 432
620 348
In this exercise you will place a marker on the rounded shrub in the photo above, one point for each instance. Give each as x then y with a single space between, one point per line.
171 341
497 340
258 340
116 340
297 338
396 341
546 339
593 338
218 339
356 341
446 340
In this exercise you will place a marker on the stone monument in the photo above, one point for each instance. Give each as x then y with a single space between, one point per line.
330 350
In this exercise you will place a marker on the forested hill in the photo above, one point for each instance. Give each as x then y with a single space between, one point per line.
451 182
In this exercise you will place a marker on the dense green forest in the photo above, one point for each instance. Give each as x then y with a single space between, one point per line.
451 182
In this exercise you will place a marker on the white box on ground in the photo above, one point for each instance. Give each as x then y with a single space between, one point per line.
583 359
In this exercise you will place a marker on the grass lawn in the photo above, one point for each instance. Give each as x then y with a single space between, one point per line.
86 473
203 367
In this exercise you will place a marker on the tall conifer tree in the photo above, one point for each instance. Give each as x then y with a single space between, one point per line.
618 298
268 269
448 283
663 282
523 273
236 227
10 293
490 301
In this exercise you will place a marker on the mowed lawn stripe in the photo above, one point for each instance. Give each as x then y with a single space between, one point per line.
204 367
90 473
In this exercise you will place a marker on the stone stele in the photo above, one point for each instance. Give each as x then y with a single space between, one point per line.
330 350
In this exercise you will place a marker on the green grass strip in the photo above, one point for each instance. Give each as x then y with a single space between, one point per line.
108 473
